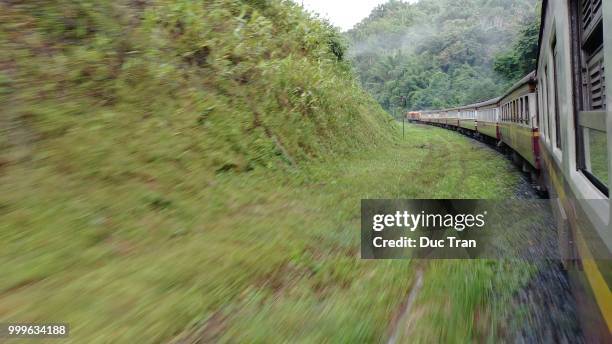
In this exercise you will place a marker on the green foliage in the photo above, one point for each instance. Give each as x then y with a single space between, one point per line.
119 121
157 255
435 53
258 83
521 59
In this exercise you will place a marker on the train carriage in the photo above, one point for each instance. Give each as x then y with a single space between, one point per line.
467 118
573 65
487 118
518 127
452 118
557 119
413 116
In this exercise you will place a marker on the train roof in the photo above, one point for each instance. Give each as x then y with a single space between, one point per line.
484 103
528 79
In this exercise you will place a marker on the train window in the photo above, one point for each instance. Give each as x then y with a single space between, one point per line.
591 100
541 106
516 113
522 110
544 95
527 114
547 96
505 112
525 110
556 89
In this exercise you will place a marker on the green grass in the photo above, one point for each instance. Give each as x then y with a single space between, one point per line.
598 144
466 301
268 256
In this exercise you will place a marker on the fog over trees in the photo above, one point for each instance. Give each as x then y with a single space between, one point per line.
443 53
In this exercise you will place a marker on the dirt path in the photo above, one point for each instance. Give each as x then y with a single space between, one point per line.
402 319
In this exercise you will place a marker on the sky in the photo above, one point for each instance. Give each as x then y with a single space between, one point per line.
343 13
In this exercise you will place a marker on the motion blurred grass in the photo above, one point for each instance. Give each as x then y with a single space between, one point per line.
267 256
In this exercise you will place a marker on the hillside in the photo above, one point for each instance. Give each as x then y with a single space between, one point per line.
121 118
437 53
216 86
135 107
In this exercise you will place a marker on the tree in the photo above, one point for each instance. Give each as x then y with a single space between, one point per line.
521 59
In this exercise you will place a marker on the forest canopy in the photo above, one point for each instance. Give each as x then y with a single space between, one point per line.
443 53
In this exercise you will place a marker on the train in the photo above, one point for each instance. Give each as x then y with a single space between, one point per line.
557 126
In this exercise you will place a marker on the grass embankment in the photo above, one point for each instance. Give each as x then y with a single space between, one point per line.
268 256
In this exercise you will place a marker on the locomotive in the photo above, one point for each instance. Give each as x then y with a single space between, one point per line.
557 126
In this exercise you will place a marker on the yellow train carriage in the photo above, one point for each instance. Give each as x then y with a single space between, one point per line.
575 52
487 117
518 125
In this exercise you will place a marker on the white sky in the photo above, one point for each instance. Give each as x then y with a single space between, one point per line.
343 13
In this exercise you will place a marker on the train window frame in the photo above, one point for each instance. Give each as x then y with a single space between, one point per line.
590 116
522 119
543 111
547 111
516 111
508 112
556 106
521 109
511 111
527 111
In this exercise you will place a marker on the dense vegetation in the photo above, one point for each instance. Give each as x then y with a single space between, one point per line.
520 59
119 121
214 85
441 53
